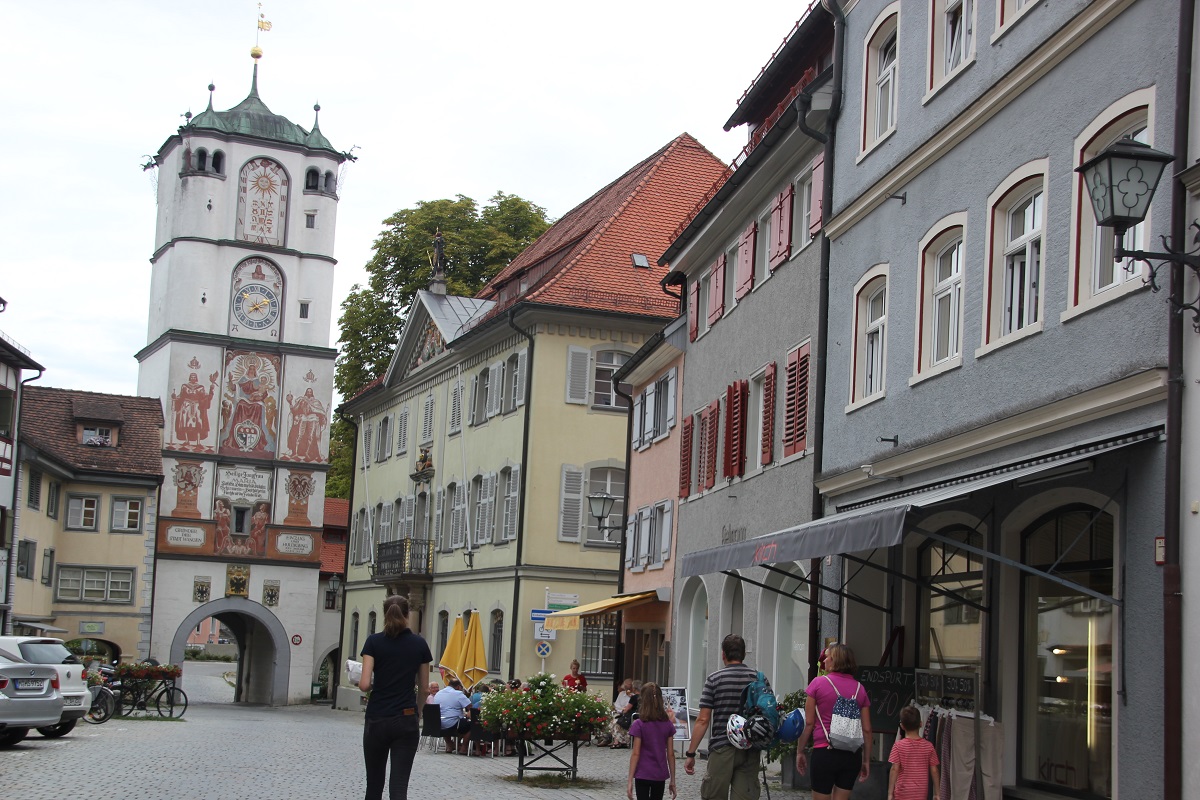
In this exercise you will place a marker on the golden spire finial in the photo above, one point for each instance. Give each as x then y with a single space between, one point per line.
263 25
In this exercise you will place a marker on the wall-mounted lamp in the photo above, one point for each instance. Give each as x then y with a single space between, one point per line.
895 440
469 557
600 506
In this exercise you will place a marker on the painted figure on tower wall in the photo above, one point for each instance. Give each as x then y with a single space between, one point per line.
249 410
189 413
309 420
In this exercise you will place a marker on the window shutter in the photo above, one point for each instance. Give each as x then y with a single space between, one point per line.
385 523
495 389
818 192
456 398
781 228
368 434
685 457
716 290
635 436
729 464
645 520
410 513
488 529
742 394
427 423
510 504
577 375
439 501
570 517
471 400
745 261
519 378
402 432
458 517
767 444
391 427
630 540
664 535
714 428
795 412
650 428
670 399
693 310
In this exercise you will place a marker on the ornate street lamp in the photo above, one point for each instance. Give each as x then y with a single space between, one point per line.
600 505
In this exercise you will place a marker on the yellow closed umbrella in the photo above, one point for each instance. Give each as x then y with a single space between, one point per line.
452 659
474 655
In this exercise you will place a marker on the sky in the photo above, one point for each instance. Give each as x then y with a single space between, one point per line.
547 100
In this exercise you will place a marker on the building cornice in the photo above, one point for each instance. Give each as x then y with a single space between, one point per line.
258 248
1065 41
216 340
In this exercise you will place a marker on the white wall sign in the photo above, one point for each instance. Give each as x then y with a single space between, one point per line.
297 544
185 536
541 634
559 601
243 485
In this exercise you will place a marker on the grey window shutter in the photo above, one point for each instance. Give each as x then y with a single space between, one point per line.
471 400
427 423
636 434
649 429
489 485
630 540
457 517
410 512
402 432
570 518
511 504
368 434
664 535
456 407
670 399
495 389
645 517
519 380
439 500
578 375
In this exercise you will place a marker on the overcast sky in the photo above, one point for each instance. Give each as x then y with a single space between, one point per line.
547 100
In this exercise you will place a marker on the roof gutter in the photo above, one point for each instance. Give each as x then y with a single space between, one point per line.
516 602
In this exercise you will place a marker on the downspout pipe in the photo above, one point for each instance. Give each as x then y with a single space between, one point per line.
820 379
1172 589
516 601
346 565
6 629
619 656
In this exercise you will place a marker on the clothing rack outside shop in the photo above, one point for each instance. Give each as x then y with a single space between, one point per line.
957 692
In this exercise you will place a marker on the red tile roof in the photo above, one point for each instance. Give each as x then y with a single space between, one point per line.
337 512
584 260
49 419
333 557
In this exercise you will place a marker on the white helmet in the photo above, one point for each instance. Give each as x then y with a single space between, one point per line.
735 730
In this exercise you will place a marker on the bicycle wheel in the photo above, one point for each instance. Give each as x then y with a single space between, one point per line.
102 707
172 702
127 702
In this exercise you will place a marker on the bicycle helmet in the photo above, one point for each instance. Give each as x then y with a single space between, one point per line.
759 732
792 725
735 731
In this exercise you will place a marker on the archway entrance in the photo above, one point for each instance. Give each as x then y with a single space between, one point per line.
264 658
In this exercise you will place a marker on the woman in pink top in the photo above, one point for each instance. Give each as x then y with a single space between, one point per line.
833 770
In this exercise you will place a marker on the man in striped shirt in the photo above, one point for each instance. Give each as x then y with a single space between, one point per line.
731 772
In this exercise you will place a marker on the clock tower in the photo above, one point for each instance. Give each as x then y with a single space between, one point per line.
241 299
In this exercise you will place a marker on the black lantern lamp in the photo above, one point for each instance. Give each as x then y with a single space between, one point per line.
600 505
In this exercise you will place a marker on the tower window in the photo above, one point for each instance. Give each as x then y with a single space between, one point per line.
310 219
330 182
312 181
218 162
303 309
201 160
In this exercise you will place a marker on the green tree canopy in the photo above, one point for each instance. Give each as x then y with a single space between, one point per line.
479 242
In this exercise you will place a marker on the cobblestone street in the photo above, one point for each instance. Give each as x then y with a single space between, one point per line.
228 752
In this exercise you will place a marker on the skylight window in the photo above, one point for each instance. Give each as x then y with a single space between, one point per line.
640 260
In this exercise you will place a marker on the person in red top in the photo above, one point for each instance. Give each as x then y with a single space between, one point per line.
575 681
912 757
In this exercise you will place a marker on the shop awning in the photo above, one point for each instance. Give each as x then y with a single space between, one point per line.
568 619
881 524
38 626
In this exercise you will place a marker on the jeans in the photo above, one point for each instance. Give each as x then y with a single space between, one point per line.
648 790
395 736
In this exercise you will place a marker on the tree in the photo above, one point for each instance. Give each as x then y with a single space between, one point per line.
478 244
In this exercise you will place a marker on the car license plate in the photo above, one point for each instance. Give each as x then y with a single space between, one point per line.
72 701
31 684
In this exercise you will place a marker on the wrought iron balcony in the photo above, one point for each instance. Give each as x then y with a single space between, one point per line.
404 558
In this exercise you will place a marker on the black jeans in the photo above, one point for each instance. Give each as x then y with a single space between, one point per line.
397 737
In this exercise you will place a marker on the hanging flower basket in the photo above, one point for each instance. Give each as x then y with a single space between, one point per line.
546 711
147 672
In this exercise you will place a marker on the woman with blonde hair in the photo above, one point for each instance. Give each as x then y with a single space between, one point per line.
652 762
833 770
396 672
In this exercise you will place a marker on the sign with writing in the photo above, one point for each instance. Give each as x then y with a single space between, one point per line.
242 485
559 601
298 544
890 689
539 614
947 688
185 536
541 634
86 628
675 701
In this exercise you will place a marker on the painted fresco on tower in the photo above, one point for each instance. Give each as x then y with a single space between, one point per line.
302 493
191 411
305 411
241 511
262 202
249 408
431 345
256 300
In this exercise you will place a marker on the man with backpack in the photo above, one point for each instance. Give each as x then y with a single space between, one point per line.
732 771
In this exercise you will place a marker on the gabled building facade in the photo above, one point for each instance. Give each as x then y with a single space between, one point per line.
496 419
90 478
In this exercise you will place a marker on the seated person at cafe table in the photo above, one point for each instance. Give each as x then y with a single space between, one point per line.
454 719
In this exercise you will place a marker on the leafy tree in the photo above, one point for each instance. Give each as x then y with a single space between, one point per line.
478 244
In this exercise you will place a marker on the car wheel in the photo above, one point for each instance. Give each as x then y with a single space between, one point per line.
61 729
10 736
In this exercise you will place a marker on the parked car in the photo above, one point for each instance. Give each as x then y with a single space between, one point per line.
71 682
29 698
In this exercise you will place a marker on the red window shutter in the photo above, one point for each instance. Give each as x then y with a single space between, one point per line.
693 311
781 227
685 458
732 418
818 192
714 427
745 261
743 401
767 445
716 290
795 413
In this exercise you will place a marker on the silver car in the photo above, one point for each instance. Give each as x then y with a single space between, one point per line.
71 682
29 698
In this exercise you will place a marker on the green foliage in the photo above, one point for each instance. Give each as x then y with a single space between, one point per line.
546 711
478 244
204 655
781 750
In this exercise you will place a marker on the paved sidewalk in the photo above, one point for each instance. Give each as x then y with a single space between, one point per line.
228 752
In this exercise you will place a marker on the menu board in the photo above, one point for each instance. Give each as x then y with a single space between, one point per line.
954 689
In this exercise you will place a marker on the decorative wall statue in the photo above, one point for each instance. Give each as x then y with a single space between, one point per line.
309 420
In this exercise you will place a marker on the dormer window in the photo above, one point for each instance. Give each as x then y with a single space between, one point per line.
97 436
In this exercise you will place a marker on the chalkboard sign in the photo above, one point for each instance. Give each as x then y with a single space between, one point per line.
890 689
946 688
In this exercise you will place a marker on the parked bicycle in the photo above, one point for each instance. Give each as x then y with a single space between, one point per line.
144 687
104 705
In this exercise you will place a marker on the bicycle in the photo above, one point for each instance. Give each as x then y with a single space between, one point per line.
104 705
168 699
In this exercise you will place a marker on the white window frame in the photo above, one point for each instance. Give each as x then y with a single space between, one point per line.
383 438
1008 12
951 42
616 401
480 395
880 75
945 235
88 505
762 247
1022 264
802 211
593 484
754 430
95 584
130 508
868 381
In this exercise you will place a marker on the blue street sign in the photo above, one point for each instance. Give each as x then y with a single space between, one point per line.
539 614
543 649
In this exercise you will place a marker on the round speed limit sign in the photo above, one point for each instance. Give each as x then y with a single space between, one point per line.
542 649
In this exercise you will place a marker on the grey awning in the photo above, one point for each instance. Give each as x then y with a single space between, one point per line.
38 626
881 524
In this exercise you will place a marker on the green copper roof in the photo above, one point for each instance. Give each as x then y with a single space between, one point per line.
251 117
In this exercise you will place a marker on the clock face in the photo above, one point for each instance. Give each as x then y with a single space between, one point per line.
256 306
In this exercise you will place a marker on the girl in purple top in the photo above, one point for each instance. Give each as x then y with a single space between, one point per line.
833 770
652 762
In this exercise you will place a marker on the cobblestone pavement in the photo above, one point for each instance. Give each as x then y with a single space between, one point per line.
229 752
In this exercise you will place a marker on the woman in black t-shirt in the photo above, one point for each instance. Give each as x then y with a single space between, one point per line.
396 671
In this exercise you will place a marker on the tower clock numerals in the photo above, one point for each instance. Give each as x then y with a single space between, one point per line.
256 306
